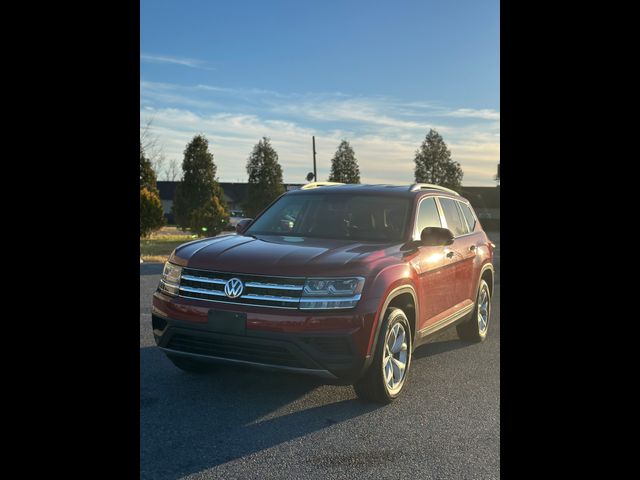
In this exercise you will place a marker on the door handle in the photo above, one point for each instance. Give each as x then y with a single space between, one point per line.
450 254
472 248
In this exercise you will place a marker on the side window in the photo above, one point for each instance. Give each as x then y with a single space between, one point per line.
452 215
471 219
428 215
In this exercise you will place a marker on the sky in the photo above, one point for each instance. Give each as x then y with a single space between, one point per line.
379 74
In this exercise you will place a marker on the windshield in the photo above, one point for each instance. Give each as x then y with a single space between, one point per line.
337 216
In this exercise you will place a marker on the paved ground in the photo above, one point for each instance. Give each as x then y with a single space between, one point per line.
243 424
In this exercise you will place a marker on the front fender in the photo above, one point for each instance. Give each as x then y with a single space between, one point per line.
388 284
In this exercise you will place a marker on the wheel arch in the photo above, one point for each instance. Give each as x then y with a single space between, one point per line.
403 295
487 273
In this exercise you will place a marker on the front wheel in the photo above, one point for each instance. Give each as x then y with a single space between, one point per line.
386 376
475 329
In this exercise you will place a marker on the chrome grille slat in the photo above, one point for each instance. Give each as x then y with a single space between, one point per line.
227 275
219 281
274 298
193 278
204 291
275 286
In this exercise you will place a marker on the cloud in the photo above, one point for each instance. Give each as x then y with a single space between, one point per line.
167 94
186 62
359 111
485 114
384 132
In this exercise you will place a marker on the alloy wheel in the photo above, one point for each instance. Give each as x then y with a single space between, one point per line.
484 309
395 358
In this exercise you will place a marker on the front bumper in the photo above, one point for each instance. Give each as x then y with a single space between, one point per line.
331 345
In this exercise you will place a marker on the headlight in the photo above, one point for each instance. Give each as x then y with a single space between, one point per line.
331 293
170 279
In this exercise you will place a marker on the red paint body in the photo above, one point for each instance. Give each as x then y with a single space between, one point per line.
442 284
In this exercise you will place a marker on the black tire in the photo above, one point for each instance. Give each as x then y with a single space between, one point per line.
470 330
372 385
188 365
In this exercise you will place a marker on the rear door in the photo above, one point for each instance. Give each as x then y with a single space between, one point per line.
469 272
459 256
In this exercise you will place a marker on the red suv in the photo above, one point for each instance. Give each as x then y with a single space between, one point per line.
340 281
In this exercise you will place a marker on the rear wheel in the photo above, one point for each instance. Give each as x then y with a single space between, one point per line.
475 329
188 365
386 376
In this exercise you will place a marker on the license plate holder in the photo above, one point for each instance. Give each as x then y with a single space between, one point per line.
223 321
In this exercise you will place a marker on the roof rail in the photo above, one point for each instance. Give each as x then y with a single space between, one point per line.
420 186
319 184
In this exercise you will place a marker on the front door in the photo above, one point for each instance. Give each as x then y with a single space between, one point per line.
437 277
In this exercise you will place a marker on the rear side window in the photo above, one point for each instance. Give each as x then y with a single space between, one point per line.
468 214
428 215
452 215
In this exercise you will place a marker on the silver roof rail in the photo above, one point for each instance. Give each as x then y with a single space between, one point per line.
319 184
420 186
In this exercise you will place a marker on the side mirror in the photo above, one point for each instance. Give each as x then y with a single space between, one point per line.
243 224
436 236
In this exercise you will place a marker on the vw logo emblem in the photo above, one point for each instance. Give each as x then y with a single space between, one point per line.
233 288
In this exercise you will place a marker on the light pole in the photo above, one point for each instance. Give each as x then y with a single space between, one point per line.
315 174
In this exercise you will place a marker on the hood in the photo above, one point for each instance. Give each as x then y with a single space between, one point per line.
277 255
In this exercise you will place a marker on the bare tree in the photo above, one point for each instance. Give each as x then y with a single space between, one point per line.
173 170
148 140
150 143
158 162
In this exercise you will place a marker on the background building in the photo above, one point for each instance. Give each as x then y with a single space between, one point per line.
485 200
234 195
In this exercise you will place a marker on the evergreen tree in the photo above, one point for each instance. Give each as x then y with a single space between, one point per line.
434 164
344 166
151 215
265 178
199 203
147 175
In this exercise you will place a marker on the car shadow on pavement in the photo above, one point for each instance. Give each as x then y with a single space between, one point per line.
435 348
151 268
190 423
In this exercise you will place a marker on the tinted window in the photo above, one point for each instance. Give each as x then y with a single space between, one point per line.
471 220
455 223
340 216
428 215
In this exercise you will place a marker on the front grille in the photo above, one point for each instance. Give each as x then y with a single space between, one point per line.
266 291
234 349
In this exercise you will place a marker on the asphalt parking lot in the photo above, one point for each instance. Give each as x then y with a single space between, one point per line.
238 423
